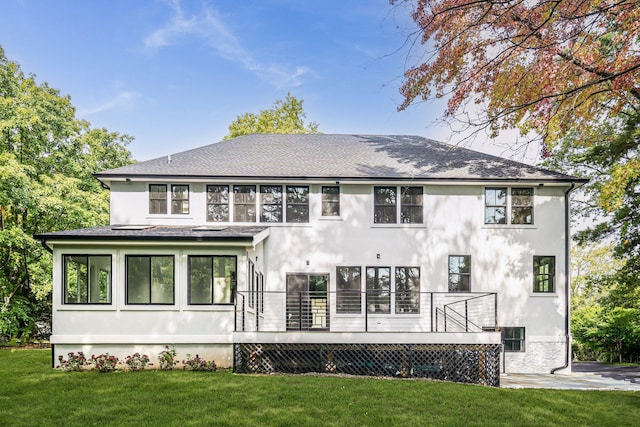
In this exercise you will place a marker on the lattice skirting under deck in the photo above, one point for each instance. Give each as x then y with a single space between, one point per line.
465 363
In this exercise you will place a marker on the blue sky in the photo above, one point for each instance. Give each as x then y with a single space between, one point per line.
175 74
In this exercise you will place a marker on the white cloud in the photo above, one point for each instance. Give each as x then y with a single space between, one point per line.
123 100
208 27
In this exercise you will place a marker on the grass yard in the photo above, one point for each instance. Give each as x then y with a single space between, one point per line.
31 393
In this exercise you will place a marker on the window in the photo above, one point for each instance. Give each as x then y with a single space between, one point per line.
497 201
212 279
348 290
270 203
544 272
384 205
378 289
307 304
522 205
218 203
411 205
330 201
244 203
513 339
297 203
150 279
385 209
158 199
251 285
459 273
407 290
180 199
87 279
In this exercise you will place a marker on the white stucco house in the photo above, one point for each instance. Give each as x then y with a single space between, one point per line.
368 254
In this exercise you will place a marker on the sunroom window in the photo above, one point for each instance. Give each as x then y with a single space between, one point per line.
87 279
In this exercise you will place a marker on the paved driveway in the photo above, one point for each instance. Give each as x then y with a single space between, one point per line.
585 376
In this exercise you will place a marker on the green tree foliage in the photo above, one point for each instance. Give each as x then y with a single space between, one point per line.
283 117
47 157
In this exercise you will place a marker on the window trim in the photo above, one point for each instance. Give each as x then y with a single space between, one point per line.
64 280
126 280
522 340
234 280
449 274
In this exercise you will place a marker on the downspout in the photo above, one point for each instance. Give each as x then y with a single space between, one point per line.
43 242
567 249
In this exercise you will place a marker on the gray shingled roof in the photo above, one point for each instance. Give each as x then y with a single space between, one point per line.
150 232
359 157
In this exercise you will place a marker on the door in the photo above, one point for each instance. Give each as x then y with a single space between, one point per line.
307 302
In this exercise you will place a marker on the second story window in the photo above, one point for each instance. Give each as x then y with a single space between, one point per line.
218 203
459 273
297 203
244 203
270 203
159 200
180 199
498 200
411 205
331 200
384 205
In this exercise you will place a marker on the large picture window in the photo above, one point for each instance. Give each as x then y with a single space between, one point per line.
379 290
544 272
87 279
407 290
150 279
212 279
459 273
244 203
218 203
297 203
348 290
270 203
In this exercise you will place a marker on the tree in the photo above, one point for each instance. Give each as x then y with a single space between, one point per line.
47 157
283 117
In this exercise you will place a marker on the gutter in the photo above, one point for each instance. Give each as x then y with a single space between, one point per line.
567 248
43 242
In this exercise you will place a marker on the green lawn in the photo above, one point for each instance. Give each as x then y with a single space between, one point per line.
31 393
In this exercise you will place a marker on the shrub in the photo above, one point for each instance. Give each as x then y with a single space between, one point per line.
74 362
105 362
198 364
137 362
167 358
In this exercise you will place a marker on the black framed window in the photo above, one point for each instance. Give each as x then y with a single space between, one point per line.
244 203
379 289
330 200
158 199
407 290
212 279
385 202
348 290
180 199
297 203
544 272
513 338
218 203
150 279
495 205
411 205
459 273
87 279
270 203
522 205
